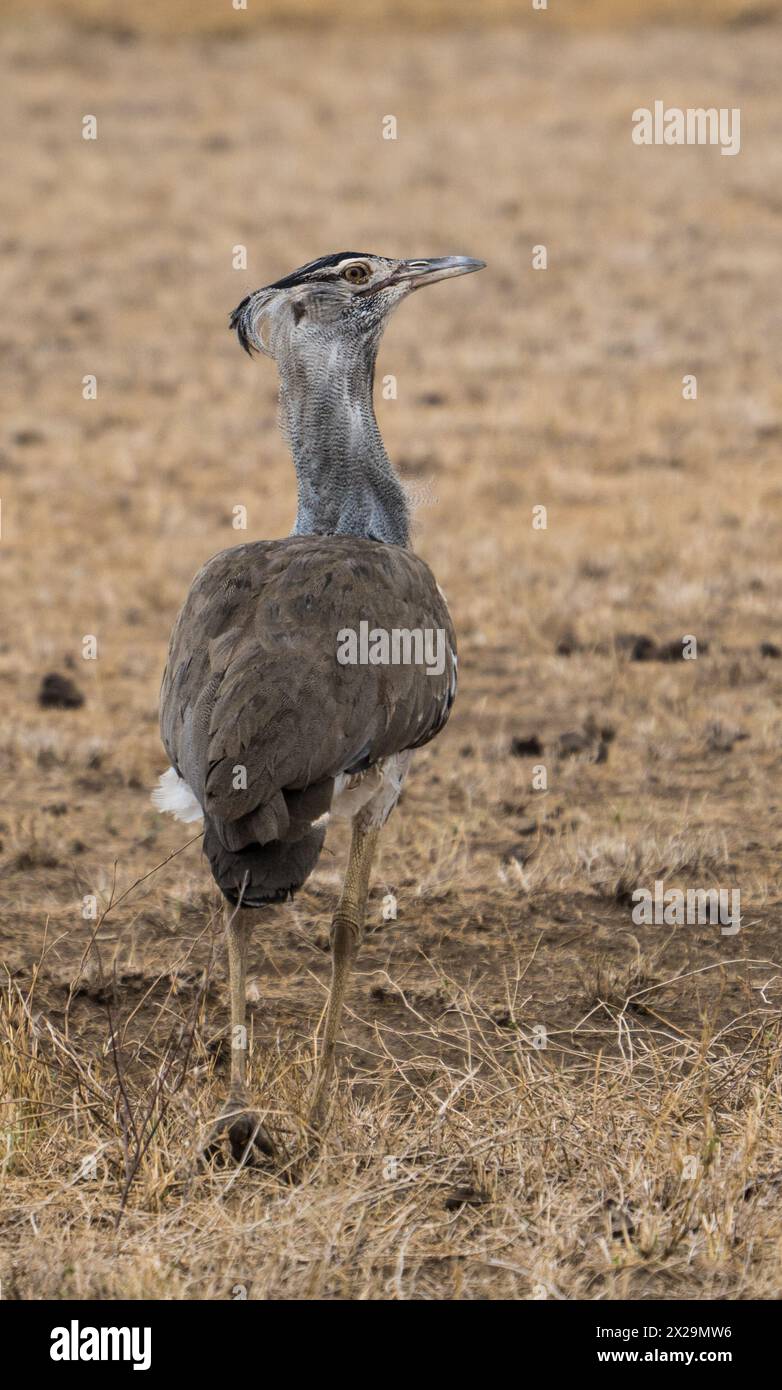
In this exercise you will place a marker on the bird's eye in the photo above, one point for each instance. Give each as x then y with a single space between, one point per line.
356 274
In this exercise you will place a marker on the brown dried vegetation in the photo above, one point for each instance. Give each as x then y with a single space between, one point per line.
638 1154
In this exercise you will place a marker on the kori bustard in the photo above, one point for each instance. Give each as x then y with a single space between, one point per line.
271 719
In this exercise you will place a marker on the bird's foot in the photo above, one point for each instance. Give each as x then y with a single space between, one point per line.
248 1137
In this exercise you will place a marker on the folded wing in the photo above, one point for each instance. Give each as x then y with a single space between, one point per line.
259 716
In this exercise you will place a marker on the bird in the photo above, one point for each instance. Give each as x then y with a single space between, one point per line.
304 671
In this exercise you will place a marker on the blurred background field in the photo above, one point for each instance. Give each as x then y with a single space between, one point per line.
514 388
184 17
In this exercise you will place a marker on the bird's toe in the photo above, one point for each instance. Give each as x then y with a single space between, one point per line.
248 1138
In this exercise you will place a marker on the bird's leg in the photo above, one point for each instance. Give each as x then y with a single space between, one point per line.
238 930
243 1125
347 932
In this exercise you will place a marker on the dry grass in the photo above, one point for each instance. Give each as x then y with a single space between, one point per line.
463 1161
648 1169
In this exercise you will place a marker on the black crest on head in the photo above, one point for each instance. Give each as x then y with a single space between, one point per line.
298 277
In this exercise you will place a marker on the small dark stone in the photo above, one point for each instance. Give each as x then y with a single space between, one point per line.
526 747
568 644
59 692
528 827
637 646
674 651
503 1018
771 650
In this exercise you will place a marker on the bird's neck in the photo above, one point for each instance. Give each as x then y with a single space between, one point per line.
346 483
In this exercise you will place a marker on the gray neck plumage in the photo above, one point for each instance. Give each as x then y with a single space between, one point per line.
346 483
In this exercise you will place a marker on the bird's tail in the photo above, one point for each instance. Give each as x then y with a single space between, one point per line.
262 874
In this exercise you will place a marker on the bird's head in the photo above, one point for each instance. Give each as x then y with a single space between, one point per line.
340 298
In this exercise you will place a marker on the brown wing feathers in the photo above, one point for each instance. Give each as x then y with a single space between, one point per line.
258 716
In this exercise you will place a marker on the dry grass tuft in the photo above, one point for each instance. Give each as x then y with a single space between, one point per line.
511 1173
616 868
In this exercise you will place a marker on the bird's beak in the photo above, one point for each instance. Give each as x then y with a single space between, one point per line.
421 273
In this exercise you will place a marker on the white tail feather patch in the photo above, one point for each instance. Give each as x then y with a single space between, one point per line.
175 795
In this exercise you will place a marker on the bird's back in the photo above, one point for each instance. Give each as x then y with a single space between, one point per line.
258 714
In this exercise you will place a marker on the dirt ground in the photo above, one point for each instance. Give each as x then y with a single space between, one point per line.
638 1153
